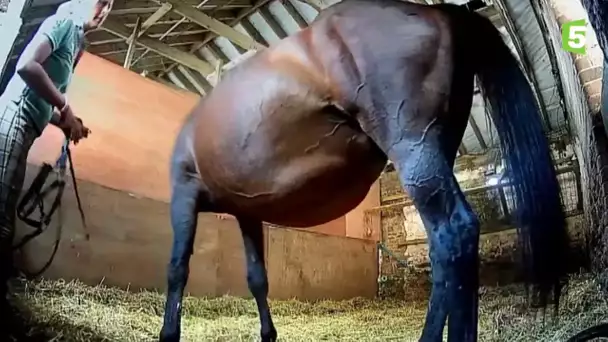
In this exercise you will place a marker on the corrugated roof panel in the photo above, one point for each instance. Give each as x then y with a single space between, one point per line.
208 55
283 17
262 26
227 48
305 10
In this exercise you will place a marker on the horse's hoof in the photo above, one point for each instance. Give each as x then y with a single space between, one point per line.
168 337
269 336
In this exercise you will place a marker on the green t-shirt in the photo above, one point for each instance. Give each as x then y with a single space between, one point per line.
66 40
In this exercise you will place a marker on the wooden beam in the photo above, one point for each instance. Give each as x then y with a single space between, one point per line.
215 26
143 6
559 82
132 43
164 82
295 14
201 84
462 149
155 17
272 22
477 132
526 64
242 14
194 35
175 25
177 55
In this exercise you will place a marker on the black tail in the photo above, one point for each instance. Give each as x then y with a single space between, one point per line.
538 212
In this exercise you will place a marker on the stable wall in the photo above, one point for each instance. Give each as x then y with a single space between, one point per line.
134 122
130 242
581 76
123 178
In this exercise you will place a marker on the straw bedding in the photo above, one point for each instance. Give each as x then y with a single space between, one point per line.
72 311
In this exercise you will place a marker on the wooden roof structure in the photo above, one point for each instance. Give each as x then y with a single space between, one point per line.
188 43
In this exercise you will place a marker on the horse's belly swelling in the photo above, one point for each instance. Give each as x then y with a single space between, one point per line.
301 175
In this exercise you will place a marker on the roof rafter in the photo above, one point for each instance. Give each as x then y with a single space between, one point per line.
242 14
155 17
175 54
524 58
214 25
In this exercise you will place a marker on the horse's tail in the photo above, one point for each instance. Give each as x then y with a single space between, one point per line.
538 213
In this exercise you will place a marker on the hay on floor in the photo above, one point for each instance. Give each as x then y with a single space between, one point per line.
71 311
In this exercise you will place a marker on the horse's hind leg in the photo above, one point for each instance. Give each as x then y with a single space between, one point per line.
257 279
453 235
415 144
185 206
463 315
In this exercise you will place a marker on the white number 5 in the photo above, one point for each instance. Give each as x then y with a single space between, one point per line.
576 36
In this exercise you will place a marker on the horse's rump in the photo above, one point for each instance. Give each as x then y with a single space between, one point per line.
282 138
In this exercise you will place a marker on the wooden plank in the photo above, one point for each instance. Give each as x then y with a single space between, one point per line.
178 56
132 42
215 26
242 14
200 83
155 17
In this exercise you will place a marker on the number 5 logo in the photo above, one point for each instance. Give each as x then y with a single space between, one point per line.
573 36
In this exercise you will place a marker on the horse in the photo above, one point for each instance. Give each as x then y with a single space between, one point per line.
297 134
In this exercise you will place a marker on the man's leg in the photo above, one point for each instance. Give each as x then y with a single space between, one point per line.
17 135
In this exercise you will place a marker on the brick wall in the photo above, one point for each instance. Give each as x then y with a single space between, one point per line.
581 76
402 224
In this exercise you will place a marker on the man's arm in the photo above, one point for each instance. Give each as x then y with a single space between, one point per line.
29 66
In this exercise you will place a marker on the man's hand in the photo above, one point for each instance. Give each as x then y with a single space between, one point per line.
85 130
78 131
73 128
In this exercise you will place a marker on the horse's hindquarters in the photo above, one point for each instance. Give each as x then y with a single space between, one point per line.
302 170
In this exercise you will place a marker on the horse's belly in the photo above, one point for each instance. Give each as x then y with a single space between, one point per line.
319 195
305 175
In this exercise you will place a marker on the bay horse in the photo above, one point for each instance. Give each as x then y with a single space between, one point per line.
297 134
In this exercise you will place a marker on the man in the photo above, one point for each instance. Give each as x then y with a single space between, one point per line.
35 97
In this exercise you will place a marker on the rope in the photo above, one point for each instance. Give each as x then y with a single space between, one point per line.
390 253
34 199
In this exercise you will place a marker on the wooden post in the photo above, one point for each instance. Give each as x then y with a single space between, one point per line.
462 150
132 44
477 132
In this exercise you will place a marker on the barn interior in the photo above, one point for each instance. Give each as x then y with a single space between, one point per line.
361 277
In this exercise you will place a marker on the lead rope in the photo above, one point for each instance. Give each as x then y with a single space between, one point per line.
34 199
83 218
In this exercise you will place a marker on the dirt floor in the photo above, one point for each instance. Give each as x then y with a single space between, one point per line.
74 312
